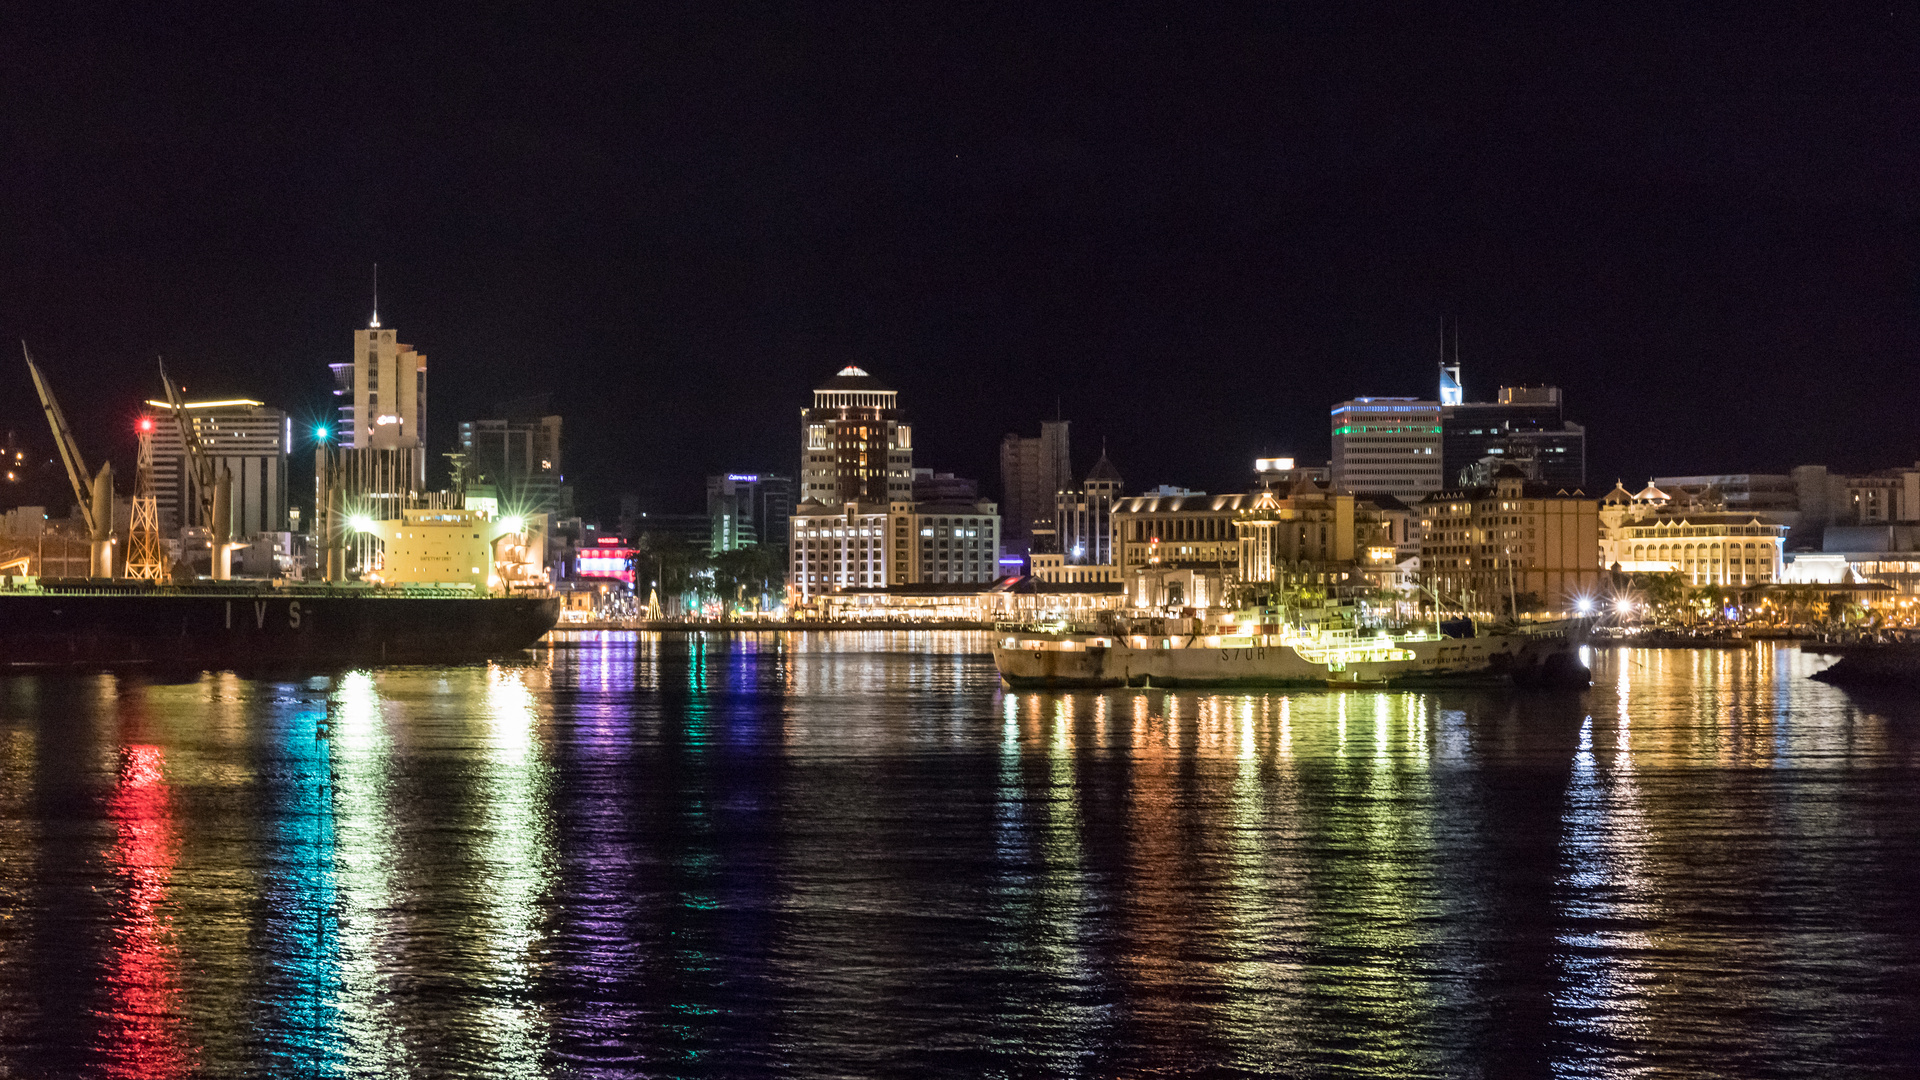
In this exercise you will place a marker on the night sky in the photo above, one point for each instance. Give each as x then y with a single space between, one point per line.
1190 228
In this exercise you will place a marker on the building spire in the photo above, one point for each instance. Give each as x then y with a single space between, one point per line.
375 324
1451 392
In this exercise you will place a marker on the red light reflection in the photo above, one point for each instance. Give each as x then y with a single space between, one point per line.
143 1026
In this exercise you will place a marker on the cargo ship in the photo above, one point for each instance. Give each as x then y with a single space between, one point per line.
434 586
89 623
1256 654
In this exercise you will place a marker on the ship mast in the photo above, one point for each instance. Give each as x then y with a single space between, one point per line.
96 498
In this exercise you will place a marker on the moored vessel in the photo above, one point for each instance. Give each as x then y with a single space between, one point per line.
238 624
1247 652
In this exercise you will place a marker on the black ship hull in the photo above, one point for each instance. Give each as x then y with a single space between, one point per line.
111 625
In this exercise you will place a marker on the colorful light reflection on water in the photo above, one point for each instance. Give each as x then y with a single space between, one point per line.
857 854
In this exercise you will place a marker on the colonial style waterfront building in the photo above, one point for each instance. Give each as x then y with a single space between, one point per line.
1196 550
1516 538
1692 532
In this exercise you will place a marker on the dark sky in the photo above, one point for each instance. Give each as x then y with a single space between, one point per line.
1191 226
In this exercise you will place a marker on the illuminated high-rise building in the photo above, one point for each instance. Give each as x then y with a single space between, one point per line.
856 445
384 392
1387 445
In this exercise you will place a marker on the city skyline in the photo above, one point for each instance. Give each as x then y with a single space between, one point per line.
1195 260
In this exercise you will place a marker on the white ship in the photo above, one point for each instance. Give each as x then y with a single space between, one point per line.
1232 653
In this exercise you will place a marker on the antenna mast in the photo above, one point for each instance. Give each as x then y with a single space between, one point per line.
375 324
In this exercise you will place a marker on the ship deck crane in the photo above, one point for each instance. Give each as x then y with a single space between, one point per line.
95 498
212 486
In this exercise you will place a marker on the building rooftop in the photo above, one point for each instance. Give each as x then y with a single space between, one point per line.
856 379
1104 470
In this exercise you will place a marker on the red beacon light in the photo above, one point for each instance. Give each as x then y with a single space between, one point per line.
146 423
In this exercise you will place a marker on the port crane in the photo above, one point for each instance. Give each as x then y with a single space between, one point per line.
94 497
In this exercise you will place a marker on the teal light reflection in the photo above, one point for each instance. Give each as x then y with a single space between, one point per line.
302 1025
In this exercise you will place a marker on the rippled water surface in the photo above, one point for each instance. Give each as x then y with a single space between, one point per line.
834 855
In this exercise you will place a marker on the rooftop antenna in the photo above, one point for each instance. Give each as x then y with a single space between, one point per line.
1451 392
376 297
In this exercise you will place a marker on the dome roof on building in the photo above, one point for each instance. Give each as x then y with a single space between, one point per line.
853 378
1618 495
1104 470
1651 494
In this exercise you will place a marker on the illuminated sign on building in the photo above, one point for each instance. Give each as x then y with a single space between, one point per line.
608 559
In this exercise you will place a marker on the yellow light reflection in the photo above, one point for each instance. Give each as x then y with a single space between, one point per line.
364 871
519 861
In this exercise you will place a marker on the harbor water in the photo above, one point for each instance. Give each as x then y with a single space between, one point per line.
856 854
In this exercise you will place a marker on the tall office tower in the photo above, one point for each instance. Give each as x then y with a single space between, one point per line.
746 509
384 392
1525 428
1032 473
248 438
1085 517
1387 445
516 461
856 445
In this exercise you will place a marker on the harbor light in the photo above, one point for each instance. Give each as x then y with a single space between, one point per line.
360 523
513 524
321 433
1584 606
